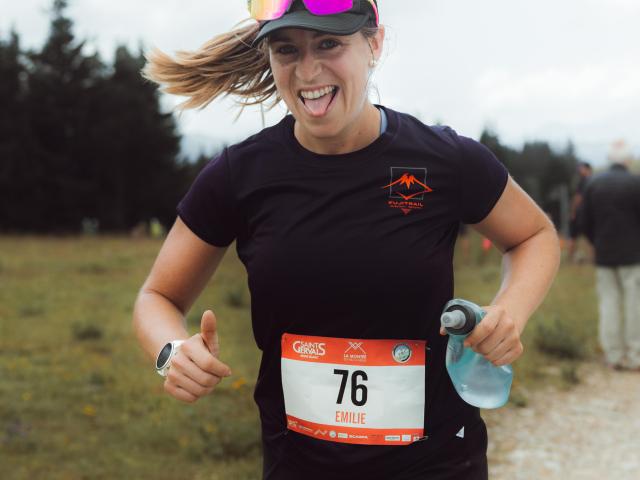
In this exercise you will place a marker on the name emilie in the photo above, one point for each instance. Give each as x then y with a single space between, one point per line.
344 416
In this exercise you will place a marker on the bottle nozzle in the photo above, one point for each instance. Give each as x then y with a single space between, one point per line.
453 319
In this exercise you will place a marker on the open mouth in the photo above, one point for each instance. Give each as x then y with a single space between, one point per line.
319 107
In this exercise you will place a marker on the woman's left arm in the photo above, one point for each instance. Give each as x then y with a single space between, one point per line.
531 256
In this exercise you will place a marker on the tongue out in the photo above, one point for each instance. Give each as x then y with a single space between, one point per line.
319 106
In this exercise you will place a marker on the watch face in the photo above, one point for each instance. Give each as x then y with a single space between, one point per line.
164 356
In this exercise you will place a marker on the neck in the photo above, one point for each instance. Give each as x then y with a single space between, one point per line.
355 136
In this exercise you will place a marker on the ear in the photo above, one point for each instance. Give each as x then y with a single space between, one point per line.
377 42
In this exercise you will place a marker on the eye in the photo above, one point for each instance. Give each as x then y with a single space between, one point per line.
285 50
330 42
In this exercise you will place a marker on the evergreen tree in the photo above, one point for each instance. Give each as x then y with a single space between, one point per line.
136 147
61 82
78 139
543 173
505 154
13 134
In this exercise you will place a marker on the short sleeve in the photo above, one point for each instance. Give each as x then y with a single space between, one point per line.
209 208
483 178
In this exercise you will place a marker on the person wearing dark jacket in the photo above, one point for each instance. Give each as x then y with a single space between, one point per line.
610 219
584 172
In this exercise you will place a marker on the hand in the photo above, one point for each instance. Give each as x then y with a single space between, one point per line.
195 370
496 337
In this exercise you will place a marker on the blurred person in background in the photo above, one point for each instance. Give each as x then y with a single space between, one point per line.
584 173
345 215
610 218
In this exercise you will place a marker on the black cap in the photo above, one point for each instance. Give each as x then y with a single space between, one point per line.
297 16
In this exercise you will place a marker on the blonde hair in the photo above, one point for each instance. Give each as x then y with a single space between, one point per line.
225 65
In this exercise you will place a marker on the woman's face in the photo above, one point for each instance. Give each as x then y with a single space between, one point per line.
308 61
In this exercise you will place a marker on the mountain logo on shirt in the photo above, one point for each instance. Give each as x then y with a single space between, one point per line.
407 188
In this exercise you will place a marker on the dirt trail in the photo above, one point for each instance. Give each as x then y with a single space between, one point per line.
589 432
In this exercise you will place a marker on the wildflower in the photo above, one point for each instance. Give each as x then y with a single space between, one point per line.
89 411
238 383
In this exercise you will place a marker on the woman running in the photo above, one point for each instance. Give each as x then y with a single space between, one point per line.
345 214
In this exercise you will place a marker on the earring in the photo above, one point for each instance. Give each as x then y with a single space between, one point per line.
373 62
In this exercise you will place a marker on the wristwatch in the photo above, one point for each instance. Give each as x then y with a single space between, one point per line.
163 362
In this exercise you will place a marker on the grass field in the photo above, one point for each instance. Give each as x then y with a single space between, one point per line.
79 400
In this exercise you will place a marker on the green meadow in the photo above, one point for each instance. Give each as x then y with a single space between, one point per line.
80 400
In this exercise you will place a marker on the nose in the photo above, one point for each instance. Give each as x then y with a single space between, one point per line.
308 67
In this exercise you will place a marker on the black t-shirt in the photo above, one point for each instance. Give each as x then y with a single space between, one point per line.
357 245
582 183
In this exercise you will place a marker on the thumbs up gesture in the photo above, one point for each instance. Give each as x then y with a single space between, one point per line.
196 370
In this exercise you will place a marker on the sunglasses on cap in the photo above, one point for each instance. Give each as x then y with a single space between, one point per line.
272 9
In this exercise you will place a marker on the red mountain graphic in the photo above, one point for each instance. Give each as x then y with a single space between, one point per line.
408 181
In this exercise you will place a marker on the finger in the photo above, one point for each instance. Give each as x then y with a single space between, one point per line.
443 331
510 357
178 393
205 361
499 351
209 332
495 338
216 367
482 330
184 363
511 340
181 380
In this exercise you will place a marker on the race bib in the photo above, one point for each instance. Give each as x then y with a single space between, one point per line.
368 392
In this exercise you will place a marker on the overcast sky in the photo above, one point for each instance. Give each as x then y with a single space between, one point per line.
551 70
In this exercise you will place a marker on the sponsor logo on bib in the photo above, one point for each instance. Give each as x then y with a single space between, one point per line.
401 353
355 352
309 349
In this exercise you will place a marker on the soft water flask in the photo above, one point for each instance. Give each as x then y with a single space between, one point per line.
478 382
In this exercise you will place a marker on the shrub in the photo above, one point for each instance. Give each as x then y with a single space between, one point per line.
32 310
518 399
86 331
236 296
558 340
569 374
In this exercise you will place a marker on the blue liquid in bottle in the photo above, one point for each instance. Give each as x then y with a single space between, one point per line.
477 380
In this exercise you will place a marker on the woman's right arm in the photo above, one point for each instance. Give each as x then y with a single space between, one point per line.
178 276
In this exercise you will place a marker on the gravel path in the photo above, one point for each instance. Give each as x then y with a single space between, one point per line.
591 431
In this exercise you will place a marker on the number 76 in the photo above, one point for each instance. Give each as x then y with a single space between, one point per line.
355 387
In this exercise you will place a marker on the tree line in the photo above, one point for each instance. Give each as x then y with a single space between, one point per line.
549 176
83 139
80 138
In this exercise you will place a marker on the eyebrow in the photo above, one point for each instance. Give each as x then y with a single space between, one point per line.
283 37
